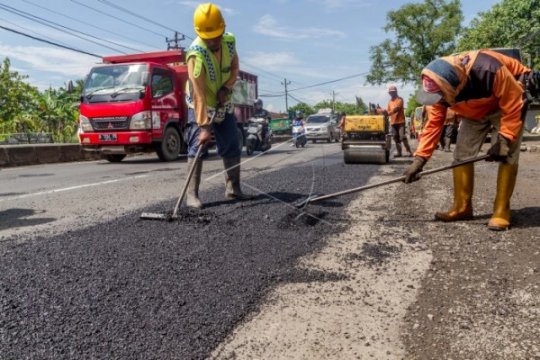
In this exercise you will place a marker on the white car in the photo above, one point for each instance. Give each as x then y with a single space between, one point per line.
321 127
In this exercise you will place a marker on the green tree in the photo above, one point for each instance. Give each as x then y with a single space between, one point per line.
510 23
422 32
57 111
305 108
24 109
359 107
412 104
17 99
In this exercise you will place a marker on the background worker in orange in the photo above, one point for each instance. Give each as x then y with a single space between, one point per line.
395 109
486 88
448 130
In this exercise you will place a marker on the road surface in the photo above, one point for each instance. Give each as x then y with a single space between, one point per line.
365 276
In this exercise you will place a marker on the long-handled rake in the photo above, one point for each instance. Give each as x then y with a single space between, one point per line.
318 198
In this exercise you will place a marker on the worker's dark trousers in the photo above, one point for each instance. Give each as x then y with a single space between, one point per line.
446 136
226 134
398 133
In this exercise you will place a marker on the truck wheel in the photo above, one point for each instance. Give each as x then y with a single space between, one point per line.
115 158
169 148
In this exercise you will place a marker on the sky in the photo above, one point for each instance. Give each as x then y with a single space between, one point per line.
307 42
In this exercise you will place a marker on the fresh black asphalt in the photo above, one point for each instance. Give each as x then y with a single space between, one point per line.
139 289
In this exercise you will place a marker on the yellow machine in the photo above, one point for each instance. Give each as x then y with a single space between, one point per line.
366 138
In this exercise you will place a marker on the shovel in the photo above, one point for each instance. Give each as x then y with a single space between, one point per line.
318 198
174 215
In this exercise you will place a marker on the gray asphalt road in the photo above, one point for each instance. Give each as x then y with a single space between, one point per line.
124 288
50 199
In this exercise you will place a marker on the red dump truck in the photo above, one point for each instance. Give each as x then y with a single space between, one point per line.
136 103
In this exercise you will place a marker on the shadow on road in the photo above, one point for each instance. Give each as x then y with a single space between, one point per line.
528 217
12 218
524 218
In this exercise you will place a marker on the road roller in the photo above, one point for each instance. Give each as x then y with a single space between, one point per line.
366 139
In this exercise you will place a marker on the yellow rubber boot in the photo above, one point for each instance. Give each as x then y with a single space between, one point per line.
463 191
506 181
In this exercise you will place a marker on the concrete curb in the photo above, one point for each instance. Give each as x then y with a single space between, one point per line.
20 155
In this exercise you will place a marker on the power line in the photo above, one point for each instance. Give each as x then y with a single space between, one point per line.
91 25
174 43
270 95
55 26
264 71
117 18
32 31
329 82
298 99
312 86
49 42
106 2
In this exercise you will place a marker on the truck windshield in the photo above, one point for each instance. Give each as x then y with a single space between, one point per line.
115 83
317 119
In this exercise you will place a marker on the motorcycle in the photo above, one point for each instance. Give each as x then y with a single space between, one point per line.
299 136
254 139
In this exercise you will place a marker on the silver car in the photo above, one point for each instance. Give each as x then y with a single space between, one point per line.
321 127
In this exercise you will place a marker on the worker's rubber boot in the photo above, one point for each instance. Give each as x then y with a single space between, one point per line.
192 199
447 148
232 180
506 181
442 145
407 147
463 190
398 150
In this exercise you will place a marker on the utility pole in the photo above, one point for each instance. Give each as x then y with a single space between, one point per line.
333 101
175 42
285 83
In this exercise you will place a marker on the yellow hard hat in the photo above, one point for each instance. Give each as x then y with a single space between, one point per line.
208 21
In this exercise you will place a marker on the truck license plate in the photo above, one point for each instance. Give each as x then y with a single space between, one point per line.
107 137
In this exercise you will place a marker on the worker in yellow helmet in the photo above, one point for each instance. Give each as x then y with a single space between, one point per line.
213 67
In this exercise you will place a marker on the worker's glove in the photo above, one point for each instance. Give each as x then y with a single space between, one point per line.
223 94
499 151
412 172
205 135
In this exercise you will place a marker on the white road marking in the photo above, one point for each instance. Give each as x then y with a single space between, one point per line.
47 192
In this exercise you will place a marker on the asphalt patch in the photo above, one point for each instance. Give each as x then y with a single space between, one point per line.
302 217
133 289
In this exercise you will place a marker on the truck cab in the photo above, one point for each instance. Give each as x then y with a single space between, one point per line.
134 103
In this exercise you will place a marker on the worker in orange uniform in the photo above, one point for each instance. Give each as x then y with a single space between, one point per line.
213 67
486 88
395 110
